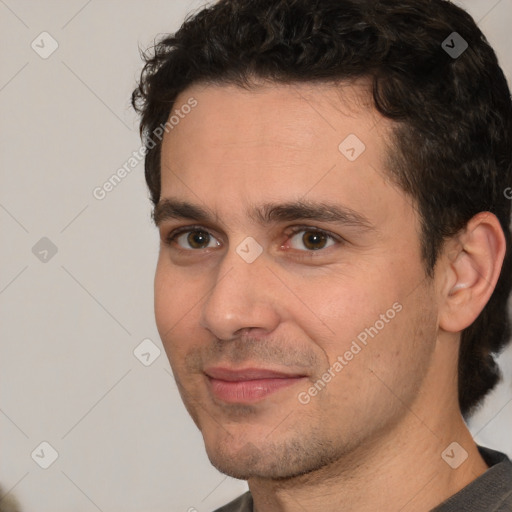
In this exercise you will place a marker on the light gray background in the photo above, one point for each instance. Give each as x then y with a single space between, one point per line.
69 325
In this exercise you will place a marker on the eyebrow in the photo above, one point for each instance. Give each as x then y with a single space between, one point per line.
267 213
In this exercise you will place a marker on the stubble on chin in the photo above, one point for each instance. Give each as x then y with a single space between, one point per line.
272 458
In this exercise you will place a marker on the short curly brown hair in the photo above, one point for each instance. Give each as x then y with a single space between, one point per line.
453 116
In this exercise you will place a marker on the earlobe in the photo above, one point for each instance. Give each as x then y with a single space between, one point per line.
472 272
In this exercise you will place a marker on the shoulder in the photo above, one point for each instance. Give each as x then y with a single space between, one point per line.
491 492
241 504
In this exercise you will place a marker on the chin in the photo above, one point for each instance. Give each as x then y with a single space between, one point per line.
276 462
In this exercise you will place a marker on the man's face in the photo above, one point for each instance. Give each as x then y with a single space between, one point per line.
253 327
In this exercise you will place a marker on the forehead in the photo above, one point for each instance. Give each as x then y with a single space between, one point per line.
283 142
289 118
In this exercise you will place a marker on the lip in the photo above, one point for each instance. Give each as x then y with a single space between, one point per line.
248 385
245 374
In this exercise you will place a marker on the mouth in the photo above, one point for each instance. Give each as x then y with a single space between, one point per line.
248 385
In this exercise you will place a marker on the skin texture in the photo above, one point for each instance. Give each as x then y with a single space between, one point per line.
392 409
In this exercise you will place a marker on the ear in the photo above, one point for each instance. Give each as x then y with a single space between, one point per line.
470 269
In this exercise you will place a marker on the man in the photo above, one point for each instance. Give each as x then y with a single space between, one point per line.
328 179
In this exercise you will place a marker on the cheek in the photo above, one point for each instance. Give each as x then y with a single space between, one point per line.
372 321
176 304
165 300
373 367
341 307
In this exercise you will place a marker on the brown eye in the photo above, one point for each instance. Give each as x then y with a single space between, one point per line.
309 240
314 240
194 239
198 239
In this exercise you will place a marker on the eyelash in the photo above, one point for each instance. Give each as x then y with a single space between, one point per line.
171 237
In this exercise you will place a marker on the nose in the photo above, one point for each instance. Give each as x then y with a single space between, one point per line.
242 299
